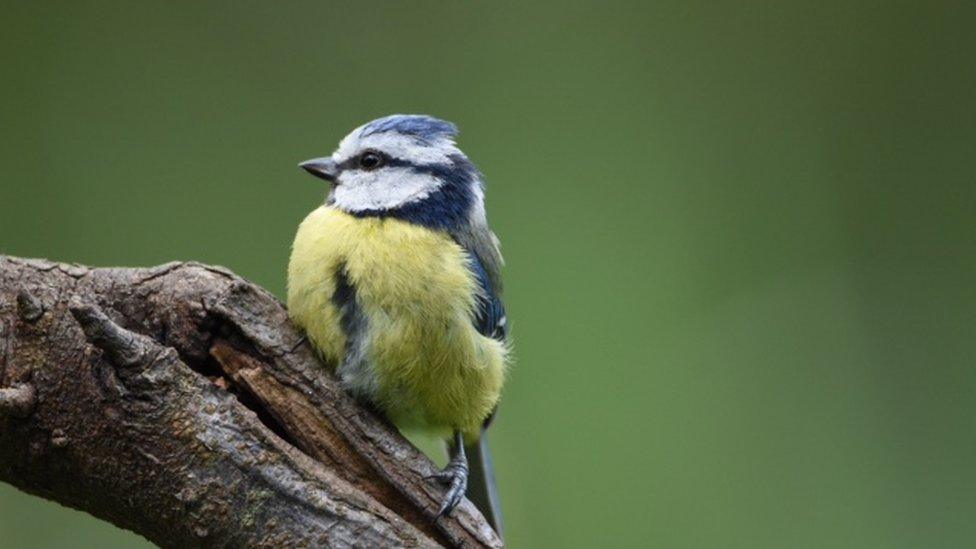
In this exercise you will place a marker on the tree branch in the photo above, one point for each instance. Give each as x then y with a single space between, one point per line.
179 402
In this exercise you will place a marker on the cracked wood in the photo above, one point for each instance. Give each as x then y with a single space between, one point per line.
179 402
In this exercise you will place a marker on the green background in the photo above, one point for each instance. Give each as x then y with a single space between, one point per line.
740 236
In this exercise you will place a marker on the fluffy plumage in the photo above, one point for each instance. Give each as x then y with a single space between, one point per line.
393 304
396 278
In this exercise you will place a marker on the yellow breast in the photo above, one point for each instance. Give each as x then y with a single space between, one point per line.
427 366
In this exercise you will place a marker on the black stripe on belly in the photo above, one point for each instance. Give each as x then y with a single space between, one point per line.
354 370
351 318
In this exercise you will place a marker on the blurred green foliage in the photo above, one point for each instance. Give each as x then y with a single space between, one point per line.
740 236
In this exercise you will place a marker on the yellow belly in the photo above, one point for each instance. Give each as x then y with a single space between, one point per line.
427 365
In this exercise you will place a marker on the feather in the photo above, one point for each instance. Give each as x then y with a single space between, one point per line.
482 489
489 318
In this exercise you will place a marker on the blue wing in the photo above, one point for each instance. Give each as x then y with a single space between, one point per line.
489 316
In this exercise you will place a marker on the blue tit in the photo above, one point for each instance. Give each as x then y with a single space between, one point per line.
396 281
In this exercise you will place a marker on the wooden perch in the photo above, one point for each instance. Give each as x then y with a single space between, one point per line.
179 402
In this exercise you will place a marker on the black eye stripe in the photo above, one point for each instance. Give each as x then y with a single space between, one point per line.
353 163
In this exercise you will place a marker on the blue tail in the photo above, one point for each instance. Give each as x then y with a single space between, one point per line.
482 490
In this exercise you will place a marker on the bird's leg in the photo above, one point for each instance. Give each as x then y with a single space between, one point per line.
455 475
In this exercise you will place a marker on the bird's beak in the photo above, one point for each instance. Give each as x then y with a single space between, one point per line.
324 168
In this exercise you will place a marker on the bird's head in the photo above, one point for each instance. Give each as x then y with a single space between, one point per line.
394 162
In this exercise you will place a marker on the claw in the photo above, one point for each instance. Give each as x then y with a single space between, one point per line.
455 475
458 479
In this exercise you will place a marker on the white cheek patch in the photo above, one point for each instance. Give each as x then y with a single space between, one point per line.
383 189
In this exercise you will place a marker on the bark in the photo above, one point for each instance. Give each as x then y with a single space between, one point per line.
179 402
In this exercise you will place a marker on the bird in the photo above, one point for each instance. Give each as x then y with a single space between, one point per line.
396 281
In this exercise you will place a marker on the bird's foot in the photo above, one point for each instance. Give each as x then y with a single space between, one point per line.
455 476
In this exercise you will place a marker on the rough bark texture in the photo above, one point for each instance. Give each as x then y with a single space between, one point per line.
179 402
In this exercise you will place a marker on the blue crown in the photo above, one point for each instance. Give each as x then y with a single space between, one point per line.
419 125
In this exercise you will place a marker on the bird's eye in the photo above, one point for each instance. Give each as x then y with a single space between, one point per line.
370 160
